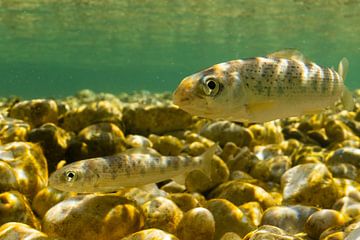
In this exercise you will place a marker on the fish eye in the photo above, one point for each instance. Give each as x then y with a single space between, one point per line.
211 86
70 176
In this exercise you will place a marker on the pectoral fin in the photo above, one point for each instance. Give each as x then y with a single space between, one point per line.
180 179
259 106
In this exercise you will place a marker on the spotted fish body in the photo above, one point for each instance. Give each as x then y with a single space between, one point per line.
260 89
129 169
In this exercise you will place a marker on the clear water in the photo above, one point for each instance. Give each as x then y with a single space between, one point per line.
53 48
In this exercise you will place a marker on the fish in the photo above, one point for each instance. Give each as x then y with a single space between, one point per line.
134 167
260 89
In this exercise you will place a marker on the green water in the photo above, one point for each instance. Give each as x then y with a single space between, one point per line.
53 48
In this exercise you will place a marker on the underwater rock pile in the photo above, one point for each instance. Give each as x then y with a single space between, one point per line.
296 178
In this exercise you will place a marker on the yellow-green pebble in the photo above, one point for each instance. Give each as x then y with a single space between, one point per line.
35 112
27 163
47 198
239 192
197 181
197 224
309 184
322 220
166 145
187 201
230 236
14 207
289 218
93 216
253 211
162 213
151 234
16 230
229 218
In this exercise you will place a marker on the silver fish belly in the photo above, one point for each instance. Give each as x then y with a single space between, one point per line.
107 174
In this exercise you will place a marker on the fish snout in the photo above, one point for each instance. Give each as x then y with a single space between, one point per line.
184 92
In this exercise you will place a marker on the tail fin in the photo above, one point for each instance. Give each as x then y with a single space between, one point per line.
207 157
347 98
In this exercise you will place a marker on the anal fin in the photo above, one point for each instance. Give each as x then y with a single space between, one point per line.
180 179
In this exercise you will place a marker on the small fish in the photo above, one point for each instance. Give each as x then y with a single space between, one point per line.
282 84
132 168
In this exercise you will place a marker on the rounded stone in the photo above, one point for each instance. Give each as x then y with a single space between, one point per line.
166 145
48 197
197 181
8 180
101 139
173 187
91 113
53 140
253 211
239 192
346 155
230 236
197 224
228 218
14 207
344 170
135 141
309 184
162 213
187 201
271 169
225 131
27 163
348 207
337 131
195 148
151 234
35 112
269 232
229 151
322 220
244 160
16 230
266 133
13 130
162 119
288 218
93 216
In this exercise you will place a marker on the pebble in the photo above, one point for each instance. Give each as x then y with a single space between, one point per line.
93 216
239 192
14 207
35 112
225 131
16 230
321 220
309 184
291 219
197 181
145 120
197 224
229 218
151 234
162 213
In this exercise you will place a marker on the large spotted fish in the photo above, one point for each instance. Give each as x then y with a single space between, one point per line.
282 84
133 168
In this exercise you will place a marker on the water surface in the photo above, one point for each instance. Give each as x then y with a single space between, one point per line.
54 48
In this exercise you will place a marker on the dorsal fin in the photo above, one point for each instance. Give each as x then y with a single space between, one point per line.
142 150
343 68
291 54
347 98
